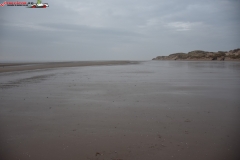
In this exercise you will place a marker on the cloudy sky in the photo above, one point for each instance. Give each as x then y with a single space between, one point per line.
117 29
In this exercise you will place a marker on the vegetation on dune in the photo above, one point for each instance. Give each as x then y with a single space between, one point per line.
202 55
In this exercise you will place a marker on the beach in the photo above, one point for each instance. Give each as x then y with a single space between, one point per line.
120 110
12 67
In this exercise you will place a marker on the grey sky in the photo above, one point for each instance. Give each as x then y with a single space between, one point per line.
117 29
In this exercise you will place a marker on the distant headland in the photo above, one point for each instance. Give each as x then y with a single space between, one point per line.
199 55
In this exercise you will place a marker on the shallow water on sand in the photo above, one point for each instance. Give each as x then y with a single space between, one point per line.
152 110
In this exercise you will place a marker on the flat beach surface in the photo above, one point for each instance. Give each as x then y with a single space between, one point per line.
169 110
11 67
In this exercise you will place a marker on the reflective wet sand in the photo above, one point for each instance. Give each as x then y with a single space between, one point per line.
10 67
147 111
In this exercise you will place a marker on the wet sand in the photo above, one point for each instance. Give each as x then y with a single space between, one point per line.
10 67
147 111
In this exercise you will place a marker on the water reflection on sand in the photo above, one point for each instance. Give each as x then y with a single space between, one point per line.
152 110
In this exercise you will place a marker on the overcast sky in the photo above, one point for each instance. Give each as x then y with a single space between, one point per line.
117 29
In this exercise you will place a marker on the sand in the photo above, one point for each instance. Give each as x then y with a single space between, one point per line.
146 111
11 67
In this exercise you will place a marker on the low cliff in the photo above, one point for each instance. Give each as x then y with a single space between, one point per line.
203 55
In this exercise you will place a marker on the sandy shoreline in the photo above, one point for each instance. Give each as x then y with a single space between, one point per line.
11 67
148 111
